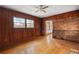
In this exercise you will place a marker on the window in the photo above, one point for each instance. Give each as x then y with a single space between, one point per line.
18 22
29 23
22 23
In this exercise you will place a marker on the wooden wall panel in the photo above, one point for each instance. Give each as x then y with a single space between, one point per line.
0 28
65 26
10 36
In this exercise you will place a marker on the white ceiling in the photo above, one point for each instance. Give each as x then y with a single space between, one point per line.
51 10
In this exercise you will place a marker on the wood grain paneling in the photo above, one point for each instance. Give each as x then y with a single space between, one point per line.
10 36
65 26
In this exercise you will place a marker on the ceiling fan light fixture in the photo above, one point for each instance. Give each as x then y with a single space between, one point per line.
41 8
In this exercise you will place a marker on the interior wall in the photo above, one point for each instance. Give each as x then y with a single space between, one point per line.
66 25
10 36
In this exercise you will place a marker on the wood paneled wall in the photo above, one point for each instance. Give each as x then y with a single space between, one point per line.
10 36
65 26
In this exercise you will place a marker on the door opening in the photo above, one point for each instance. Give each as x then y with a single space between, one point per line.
49 27
49 31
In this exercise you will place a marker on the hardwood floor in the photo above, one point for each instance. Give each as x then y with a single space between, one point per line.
45 45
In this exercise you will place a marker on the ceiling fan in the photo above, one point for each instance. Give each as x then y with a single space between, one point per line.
41 8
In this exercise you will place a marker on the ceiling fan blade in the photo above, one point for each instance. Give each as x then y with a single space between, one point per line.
36 11
45 7
44 11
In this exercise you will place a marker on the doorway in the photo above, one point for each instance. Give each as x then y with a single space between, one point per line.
49 27
49 31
